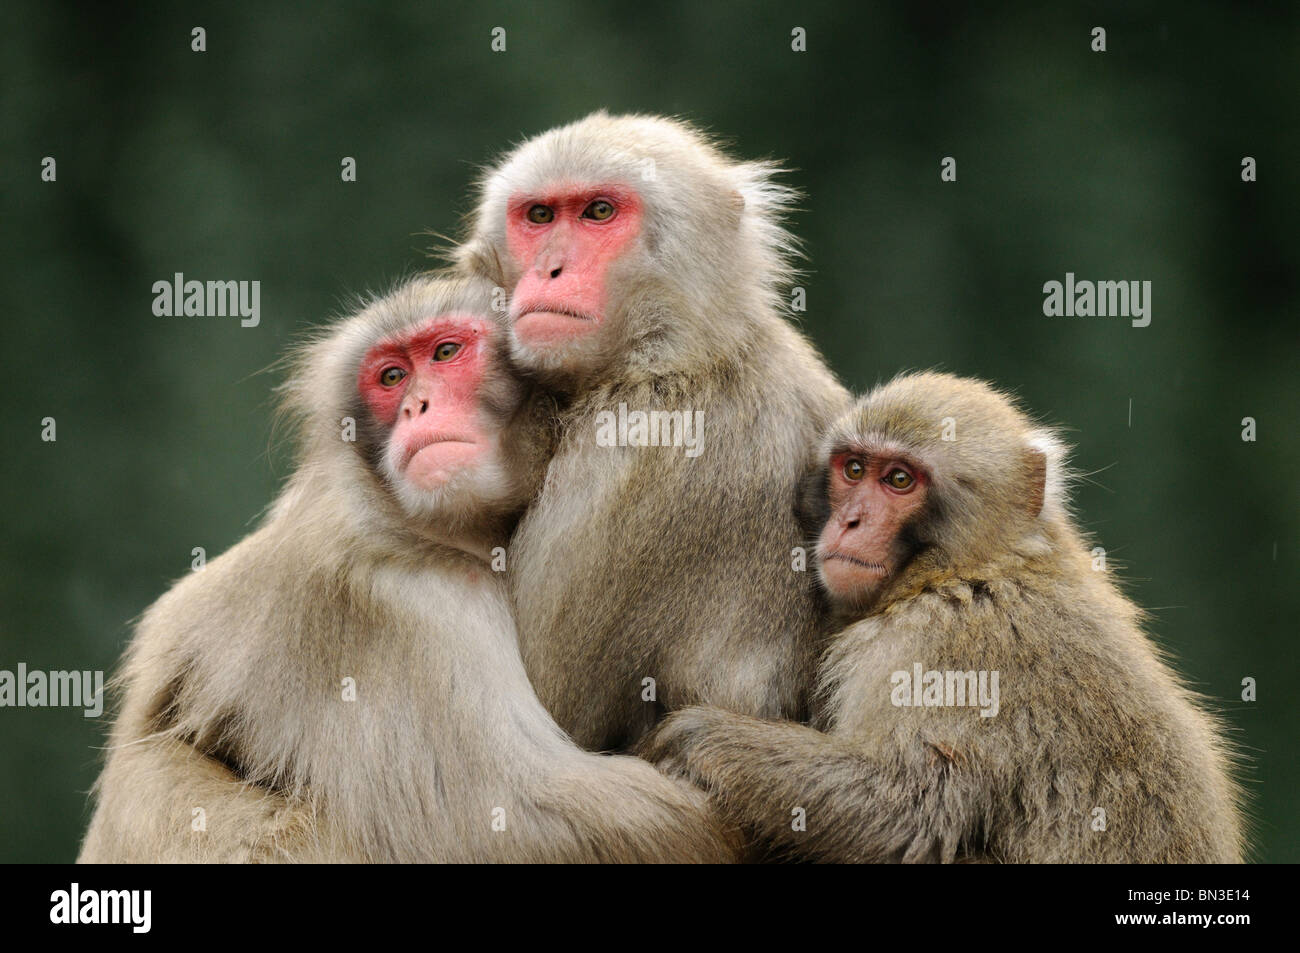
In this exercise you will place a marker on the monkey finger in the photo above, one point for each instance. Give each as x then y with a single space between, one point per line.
677 735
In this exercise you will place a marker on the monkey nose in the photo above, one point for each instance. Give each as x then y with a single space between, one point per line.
550 263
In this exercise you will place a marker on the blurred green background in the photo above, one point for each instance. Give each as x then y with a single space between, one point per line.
225 165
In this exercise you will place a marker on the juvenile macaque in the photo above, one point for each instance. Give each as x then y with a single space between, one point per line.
645 271
992 696
345 684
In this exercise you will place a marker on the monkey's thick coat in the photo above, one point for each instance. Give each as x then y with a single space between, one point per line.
1098 753
235 741
642 563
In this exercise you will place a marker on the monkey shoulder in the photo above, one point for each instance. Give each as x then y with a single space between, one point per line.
227 631
1046 648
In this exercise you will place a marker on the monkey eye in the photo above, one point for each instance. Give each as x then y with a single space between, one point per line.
854 469
899 479
391 376
599 210
541 214
445 351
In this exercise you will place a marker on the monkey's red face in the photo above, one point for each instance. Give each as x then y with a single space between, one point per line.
873 496
563 242
423 386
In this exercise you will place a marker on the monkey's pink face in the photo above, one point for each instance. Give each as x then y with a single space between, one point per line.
872 497
563 242
423 386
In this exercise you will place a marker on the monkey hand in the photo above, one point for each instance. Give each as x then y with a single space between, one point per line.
676 745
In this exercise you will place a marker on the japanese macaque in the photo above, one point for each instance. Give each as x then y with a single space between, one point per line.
992 697
661 564
345 684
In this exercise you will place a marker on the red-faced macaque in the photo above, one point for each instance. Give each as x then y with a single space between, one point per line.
992 696
662 564
345 684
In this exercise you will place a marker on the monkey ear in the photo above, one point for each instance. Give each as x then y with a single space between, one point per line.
1036 482
737 201
480 258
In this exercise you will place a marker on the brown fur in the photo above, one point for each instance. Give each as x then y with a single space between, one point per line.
1090 715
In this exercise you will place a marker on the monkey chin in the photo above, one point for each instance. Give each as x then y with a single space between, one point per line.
575 350
435 465
450 478
547 329
850 580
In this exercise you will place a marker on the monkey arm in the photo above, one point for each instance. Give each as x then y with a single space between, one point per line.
161 801
815 796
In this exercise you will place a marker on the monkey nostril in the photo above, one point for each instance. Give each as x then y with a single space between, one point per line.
852 524
555 272
424 405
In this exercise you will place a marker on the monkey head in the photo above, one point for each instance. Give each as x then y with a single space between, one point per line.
930 474
434 407
623 235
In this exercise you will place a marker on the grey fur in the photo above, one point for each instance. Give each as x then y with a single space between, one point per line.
643 563
233 700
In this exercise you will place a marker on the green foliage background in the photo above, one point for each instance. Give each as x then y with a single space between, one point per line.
225 164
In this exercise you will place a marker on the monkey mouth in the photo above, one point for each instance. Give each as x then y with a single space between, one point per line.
415 448
877 568
545 326
553 309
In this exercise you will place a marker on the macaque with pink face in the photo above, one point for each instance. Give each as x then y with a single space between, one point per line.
990 695
647 273
345 683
